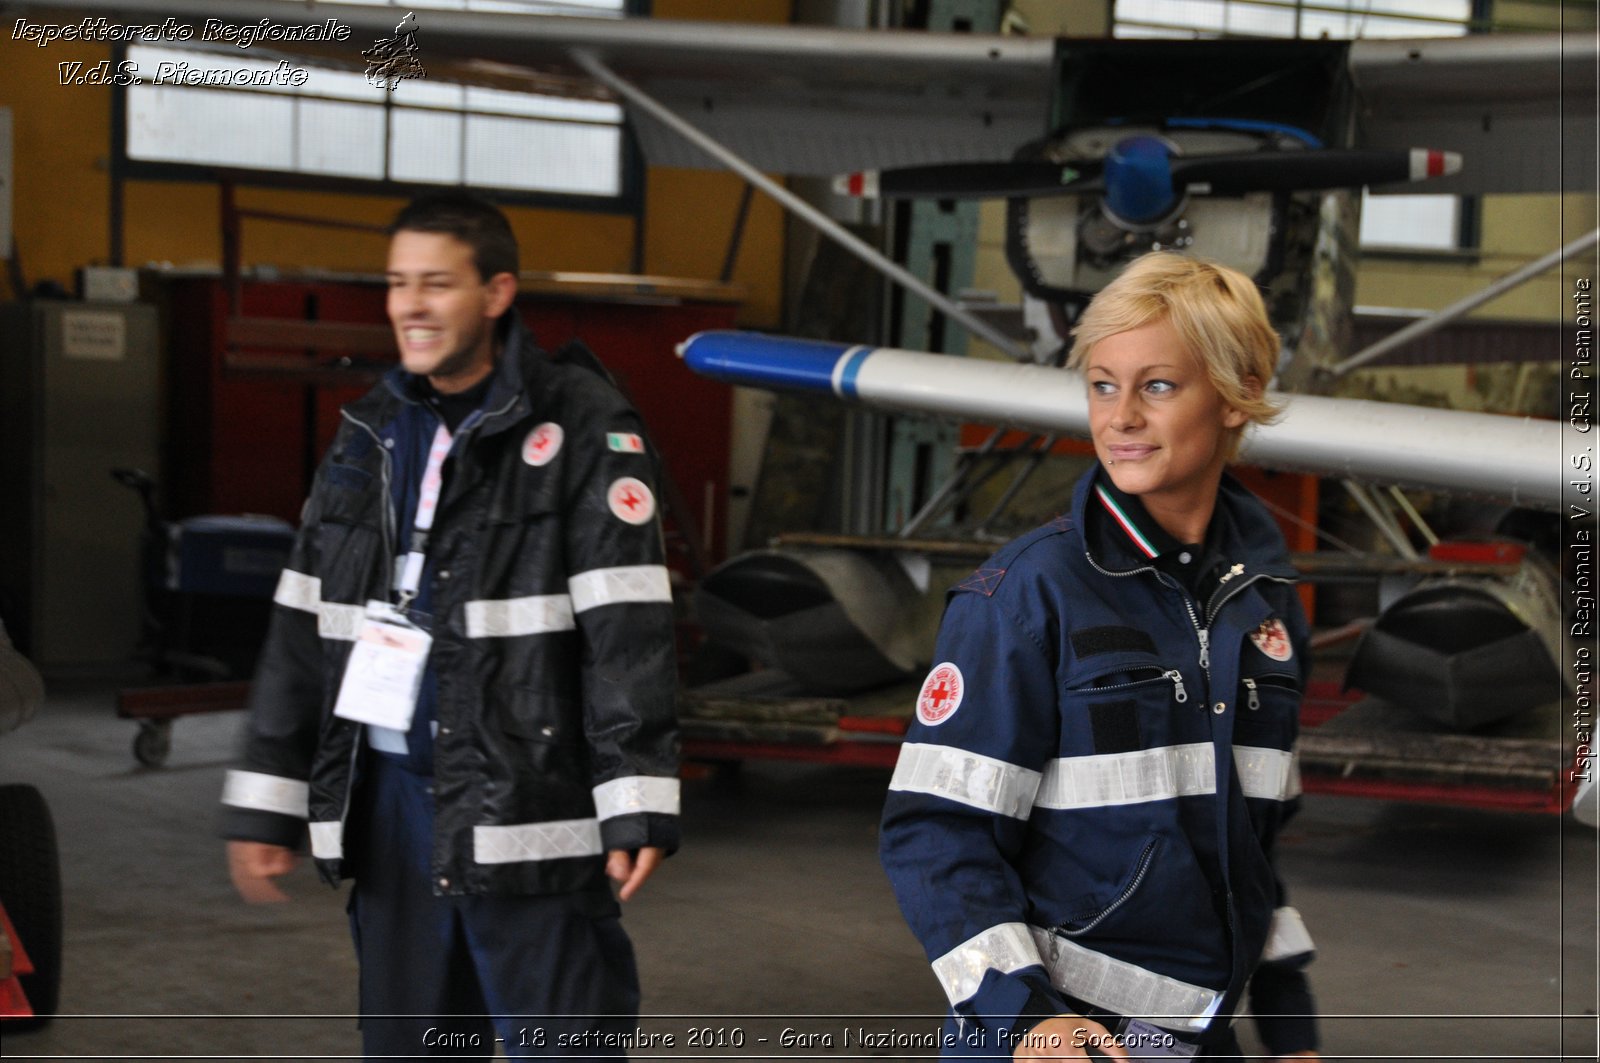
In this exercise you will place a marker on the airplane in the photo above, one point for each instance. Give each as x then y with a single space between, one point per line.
995 110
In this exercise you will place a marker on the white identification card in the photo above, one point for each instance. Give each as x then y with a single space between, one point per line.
384 674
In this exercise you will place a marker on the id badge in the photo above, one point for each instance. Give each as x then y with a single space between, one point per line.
1143 1040
384 675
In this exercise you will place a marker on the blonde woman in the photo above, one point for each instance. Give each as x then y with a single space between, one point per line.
1080 829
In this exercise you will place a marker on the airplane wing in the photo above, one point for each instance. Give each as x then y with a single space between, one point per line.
808 100
1516 460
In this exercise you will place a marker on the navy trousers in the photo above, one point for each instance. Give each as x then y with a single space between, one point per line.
539 977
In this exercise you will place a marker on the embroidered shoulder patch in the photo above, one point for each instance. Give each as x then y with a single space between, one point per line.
941 693
985 581
542 444
1272 639
631 501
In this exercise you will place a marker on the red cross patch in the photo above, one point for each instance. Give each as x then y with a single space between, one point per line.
941 694
1272 639
631 501
542 444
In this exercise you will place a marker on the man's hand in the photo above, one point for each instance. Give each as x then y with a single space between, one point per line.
1067 1037
253 866
631 870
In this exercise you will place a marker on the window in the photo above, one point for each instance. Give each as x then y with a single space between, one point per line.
1406 222
335 123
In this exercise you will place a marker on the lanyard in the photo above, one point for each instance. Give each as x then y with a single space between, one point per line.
410 574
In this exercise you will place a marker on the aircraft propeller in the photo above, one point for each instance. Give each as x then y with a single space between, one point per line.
1144 178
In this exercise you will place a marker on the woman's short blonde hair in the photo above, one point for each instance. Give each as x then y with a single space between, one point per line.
1215 309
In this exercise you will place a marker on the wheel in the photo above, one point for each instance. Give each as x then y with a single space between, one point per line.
30 889
153 742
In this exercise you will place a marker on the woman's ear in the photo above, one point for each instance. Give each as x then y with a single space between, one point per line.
1234 417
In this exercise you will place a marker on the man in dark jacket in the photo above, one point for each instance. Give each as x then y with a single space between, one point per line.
467 691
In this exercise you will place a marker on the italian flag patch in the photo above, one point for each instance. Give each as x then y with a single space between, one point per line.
625 442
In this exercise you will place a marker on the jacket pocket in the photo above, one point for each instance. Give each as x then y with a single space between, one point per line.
349 538
528 493
1270 710
1094 910
1123 704
540 716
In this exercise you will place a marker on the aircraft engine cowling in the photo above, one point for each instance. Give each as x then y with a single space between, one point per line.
1466 651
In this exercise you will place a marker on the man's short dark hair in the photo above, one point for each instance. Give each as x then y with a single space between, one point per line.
475 222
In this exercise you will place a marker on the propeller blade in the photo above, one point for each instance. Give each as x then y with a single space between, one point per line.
1264 171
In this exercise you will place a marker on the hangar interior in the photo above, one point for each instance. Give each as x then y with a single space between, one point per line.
191 296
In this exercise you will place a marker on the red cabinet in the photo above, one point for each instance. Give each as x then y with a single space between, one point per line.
244 428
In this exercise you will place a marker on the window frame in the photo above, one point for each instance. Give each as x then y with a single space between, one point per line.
627 200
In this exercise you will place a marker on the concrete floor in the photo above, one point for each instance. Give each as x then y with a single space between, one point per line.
1443 934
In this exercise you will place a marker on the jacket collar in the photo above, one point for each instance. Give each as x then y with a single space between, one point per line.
519 371
1240 528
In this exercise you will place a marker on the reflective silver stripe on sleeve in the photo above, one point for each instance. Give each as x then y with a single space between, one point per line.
327 840
969 778
1288 936
537 614
629 583
266 793
1270 773
1006 948
335 620
536 841
637 793
1128 778
1123 987
298 591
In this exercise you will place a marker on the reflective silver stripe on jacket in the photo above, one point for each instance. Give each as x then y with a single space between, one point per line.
1128 778
1006 948
1270 773
1288 936
626 583
970 778
1125 988
536 841
636 793
335 620
327 840
1165 772
266 793
537 614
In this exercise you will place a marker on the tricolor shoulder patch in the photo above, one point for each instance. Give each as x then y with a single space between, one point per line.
941 694
1272 639
624 443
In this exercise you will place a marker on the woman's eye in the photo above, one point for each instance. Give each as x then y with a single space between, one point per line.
1159 387
1100 387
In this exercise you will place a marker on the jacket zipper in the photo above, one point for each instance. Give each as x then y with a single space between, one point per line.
1179 694
1201 633
1254 700
389 560
1122 898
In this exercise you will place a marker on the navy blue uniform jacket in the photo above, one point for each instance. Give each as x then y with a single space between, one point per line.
1083 814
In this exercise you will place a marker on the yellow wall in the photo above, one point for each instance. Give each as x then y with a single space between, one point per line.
62 212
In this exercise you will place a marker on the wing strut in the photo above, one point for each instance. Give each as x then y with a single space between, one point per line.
1418 329
824 224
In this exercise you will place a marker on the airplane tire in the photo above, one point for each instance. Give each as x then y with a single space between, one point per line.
30 889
